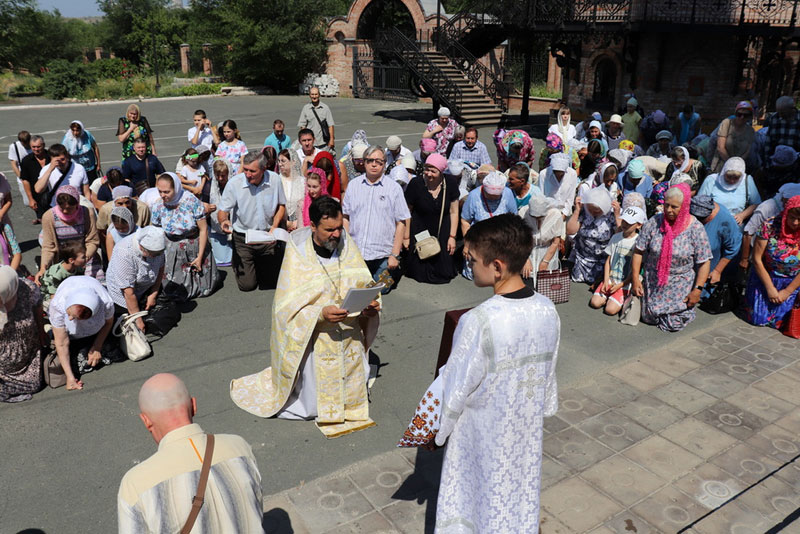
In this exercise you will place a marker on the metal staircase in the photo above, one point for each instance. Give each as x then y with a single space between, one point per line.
446 83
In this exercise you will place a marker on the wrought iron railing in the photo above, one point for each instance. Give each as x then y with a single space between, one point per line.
488 82
375 78
435 80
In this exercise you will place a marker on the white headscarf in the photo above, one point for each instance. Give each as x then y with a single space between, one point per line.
176 183
84 296
560 161
735 164
74 144
494 183
539 205
686 159
622 156
599 197
598 179
680 178
9 284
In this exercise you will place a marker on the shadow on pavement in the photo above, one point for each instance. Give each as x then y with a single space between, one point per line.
423 115
423 484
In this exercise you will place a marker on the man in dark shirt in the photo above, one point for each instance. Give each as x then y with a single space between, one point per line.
141 169
29 169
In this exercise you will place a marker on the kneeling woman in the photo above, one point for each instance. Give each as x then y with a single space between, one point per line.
82 315
593 227
190 270
676 263
775 278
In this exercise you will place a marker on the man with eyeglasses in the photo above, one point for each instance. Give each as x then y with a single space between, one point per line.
375 213
29 169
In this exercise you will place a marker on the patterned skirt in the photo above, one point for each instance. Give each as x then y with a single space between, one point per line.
759 311
180 281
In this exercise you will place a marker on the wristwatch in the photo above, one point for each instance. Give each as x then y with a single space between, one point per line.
700 287
395 256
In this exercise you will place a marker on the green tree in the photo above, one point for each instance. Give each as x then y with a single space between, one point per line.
122 17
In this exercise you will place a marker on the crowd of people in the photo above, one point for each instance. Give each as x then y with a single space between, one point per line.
634 207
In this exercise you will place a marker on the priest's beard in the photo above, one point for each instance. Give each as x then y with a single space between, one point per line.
330 245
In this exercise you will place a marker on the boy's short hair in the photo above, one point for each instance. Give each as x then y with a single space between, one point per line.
24 136
505 237
276 122
69 250
200 112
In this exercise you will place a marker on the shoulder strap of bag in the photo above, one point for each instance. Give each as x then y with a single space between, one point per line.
197 501
16 149
58 183
444 201
125 320
147 169
314 111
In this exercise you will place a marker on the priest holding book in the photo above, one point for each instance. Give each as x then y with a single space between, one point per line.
319 347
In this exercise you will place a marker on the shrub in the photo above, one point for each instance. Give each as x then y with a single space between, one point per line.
113 68
65 79
201 89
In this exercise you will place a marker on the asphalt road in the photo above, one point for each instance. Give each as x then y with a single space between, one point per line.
63 453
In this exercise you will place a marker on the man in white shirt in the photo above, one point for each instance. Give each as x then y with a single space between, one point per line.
395 151
16 153
200 133
307 151
62 171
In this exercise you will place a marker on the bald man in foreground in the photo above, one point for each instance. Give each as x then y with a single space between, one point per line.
156 495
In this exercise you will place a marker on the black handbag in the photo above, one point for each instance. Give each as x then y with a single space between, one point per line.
722 298
326 131
163 317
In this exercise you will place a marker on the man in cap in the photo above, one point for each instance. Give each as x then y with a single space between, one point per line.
783 128
635 179
442 130
662 147
614 133
318 118
724 237
631 121
157 494
122 195
560 182
394 151
141 169
470 150
492 198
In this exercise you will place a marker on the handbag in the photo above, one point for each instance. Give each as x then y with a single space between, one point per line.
430 246
554 284
132 341
326 130
722 299
164 316
631 311
54 375
199 496
791 325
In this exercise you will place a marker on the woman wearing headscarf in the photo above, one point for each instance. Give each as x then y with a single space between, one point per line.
553 144
359 138
65 221
513 146
121 226
134 126
21 337
83 148
735 136
635 179
433 202
682 162
221 247
733 188
775 278
593 223
593 157
82 315
559 182
294 188
631 121
594 131
562 127
724 238
352 165
674 249
543 215
190 270
324 160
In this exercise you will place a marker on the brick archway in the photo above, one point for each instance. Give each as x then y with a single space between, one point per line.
348 25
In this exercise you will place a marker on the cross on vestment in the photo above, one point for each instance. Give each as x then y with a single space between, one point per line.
531 383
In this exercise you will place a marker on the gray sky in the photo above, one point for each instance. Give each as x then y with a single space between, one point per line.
72 8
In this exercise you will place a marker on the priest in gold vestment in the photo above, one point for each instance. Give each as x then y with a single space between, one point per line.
319 353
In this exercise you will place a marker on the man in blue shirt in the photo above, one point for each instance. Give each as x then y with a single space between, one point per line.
141 169
277 138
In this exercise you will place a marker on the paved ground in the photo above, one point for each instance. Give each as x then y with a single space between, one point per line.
701 437
65 452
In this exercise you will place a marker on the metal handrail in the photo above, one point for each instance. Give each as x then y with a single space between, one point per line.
439 84
475 71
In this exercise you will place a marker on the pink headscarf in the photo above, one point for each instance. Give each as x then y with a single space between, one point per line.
787 236
77 216
672 229
323 183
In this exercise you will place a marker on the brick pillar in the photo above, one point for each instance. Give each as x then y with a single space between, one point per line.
208 66
185 58
98 52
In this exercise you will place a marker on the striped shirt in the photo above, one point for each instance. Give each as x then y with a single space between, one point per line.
128 268
156 495
374 209
477 154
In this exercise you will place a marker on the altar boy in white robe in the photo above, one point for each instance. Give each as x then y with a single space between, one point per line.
497 386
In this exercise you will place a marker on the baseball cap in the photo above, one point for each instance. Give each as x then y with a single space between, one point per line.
633 215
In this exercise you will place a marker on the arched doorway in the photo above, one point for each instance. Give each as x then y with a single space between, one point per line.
384 14
605 84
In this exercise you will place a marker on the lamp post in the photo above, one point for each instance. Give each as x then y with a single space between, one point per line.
155 60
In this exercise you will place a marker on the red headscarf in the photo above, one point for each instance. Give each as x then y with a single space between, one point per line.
334 184
671 230
788 236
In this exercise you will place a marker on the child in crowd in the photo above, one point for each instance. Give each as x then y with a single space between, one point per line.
488 370
122 225
193 174
316 186
617 275
73 259
113 179
230 146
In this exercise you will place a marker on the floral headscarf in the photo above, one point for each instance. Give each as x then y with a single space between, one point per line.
554 142
76 217
670 230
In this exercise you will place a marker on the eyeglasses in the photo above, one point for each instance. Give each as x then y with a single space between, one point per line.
379 161
744 114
